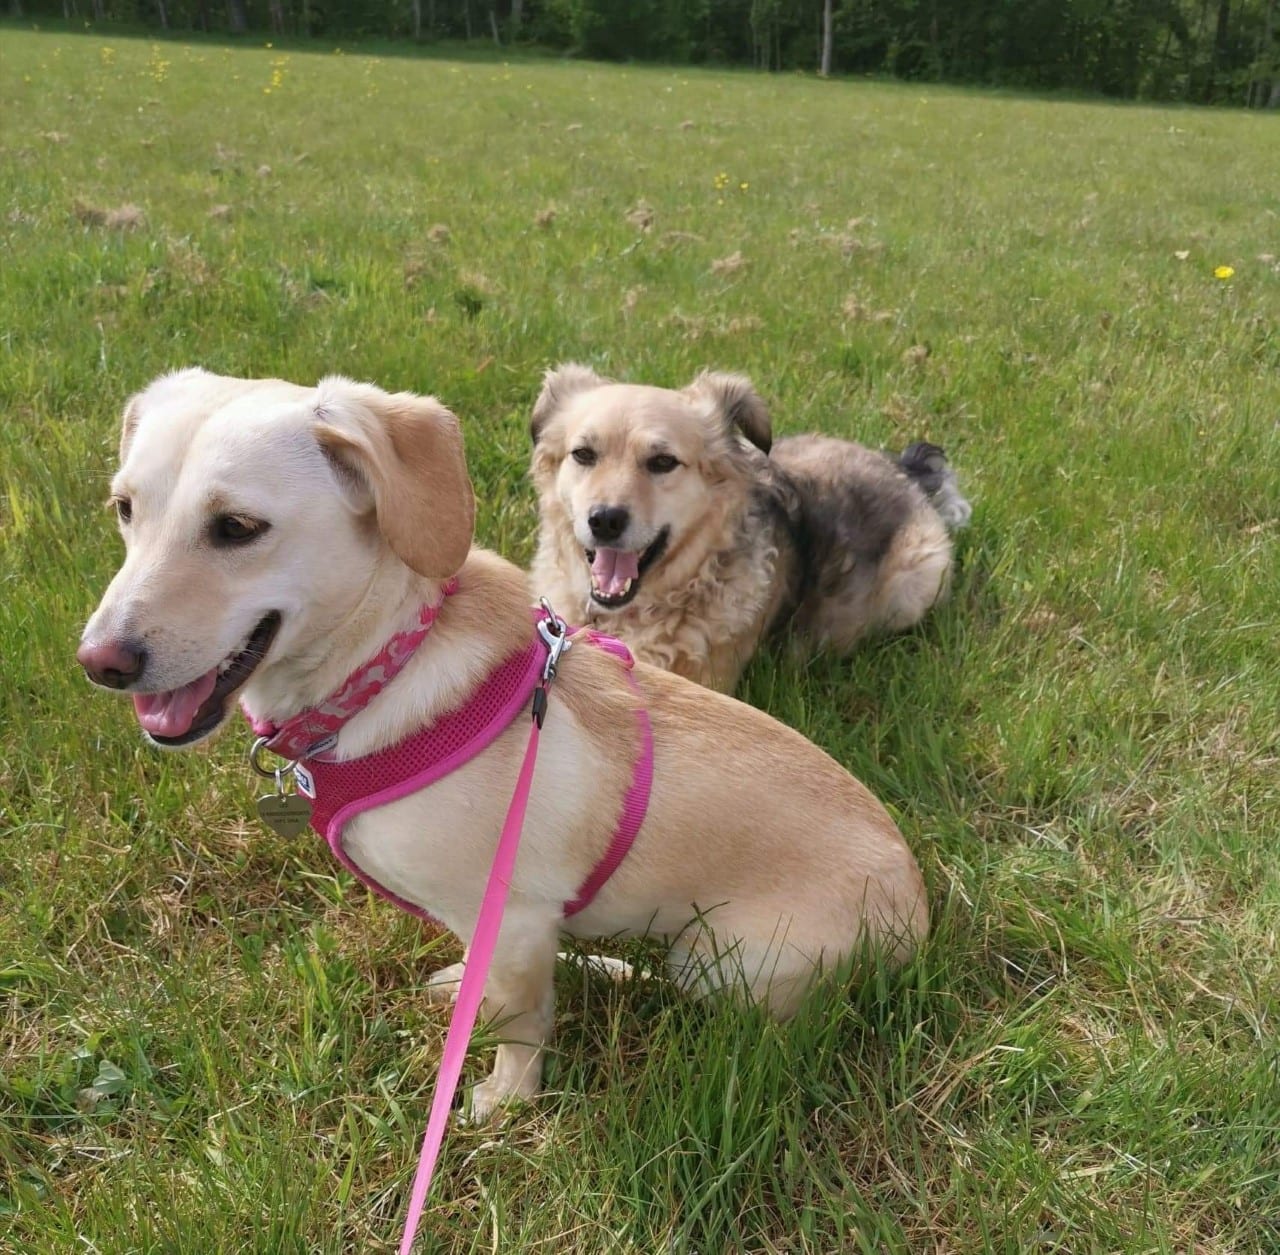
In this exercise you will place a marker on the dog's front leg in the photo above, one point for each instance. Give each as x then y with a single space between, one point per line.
519 996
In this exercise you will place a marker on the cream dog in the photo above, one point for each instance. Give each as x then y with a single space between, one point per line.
671 520
276 536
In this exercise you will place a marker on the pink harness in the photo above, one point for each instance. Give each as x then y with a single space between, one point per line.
341 790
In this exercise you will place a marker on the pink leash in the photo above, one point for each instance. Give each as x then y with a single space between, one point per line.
483 940
343 788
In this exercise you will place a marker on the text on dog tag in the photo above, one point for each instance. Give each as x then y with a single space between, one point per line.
285 813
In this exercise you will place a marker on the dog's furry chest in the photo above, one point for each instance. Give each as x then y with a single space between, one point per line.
709 628
411 846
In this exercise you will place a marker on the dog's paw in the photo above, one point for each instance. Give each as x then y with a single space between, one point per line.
492 1101
442 986
606 965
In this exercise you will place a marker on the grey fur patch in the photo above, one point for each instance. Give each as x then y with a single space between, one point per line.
850 504
927 464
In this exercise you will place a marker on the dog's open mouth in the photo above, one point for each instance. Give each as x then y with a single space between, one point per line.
615 573
180 716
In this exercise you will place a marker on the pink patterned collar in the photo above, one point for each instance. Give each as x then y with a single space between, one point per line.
313 732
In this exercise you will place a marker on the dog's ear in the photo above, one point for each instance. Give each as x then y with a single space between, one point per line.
558 386
405 452
129 424
738 403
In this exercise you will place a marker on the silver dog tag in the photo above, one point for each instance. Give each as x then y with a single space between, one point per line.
285 813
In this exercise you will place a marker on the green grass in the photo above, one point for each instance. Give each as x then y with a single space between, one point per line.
212 1041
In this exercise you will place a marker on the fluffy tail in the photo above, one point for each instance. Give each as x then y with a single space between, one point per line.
927 464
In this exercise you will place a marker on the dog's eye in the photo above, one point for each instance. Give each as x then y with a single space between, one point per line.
584 457
236 529
661 464
124 509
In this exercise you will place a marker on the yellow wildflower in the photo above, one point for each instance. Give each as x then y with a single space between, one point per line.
1224 272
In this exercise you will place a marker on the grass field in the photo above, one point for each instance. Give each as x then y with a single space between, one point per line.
212 1042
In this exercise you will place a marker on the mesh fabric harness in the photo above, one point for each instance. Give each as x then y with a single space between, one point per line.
340 791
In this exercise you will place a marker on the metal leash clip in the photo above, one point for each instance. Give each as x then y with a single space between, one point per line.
554 632
555 636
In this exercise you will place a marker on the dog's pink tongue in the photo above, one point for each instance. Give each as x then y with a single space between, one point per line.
612 568
173 713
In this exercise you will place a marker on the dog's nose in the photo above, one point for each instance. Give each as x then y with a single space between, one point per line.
113 664
608 522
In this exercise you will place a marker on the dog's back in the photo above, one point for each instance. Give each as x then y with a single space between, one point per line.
871 535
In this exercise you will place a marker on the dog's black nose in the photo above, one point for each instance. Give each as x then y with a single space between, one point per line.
608 522
113 664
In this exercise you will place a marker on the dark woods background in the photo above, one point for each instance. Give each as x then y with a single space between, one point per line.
1203 51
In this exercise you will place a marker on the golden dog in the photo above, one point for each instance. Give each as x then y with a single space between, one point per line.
671 520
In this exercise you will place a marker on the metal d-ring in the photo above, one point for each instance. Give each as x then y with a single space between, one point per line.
268 773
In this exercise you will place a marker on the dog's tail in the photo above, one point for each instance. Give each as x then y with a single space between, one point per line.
927 464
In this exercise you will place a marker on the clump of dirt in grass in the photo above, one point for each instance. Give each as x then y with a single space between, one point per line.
855 309
729 265
906 413
641 216
438 233
544 217
128 217
220 212
414 268
916 355
845 242
693 328
188 264
686 325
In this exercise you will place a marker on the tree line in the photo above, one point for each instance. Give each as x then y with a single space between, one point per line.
1201 51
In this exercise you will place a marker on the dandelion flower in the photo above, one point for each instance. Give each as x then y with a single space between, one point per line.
1224 272
743 186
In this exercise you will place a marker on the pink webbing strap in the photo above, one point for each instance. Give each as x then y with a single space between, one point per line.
471 990
635 802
